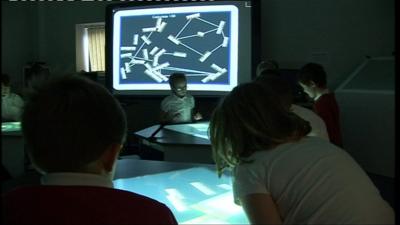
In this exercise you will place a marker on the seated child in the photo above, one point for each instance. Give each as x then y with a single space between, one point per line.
11 103
179 106
74 130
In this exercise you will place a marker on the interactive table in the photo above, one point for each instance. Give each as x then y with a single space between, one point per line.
192 191
180 142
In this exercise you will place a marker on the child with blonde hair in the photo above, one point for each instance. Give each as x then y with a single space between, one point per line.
281 175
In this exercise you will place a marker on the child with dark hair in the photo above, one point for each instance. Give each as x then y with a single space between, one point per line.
74 130
282 176
312 77
269 66
282 88
179 106
11 103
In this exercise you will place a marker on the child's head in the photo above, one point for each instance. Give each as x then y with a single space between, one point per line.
5 84
312 76
251 118
178 84
270 67
280 86
70 122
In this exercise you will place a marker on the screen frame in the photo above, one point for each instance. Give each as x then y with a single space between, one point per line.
255 46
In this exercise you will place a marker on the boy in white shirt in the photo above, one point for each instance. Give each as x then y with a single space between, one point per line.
11 103
178 107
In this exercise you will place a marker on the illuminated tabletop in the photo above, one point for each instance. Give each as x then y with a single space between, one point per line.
193 192
186 142
178 134
193 129
7 127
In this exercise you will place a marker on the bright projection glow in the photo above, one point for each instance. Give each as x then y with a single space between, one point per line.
181 34
194 129
174 196
194 195
10 126
201 187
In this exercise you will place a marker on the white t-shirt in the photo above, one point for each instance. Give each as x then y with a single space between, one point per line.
183 106
313 182
11 107
318 127
81 179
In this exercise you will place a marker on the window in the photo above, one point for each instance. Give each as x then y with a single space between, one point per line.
90 47
96 37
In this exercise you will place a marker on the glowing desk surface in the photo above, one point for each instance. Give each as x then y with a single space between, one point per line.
180 142
11 128
178 134
193 192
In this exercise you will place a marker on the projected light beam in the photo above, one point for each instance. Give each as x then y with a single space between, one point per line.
174 196
201 187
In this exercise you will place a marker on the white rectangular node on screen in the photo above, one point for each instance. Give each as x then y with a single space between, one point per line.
181 38
145 54
138 61
154 50
128 48
135 39
161 27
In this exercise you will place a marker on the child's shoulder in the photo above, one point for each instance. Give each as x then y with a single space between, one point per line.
169 97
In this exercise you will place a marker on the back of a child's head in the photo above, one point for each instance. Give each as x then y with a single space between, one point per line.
268 67
313 72
69 122
175 77
251 118
278 85
5 79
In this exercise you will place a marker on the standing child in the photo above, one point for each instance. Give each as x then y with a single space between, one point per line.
283 90
179 106
312 77
282 176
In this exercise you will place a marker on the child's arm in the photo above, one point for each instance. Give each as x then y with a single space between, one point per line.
163 117
197 116
167 117
260 209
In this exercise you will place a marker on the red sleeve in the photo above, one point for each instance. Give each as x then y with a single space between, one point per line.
327 108
171 218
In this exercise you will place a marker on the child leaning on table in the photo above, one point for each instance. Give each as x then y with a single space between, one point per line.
282 176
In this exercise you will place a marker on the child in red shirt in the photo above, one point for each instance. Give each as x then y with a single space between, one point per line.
312 77
74 129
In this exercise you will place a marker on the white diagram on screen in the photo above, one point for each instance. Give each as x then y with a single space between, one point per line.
149 56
